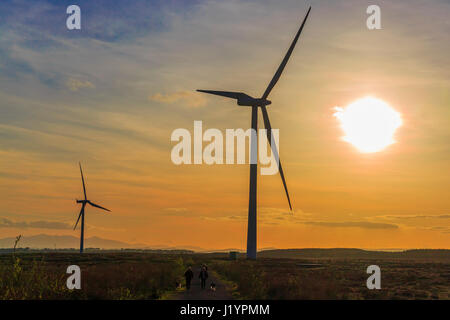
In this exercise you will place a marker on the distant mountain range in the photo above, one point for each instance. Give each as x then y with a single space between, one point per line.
43 241
48 241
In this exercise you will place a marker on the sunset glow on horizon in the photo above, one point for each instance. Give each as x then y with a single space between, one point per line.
370 173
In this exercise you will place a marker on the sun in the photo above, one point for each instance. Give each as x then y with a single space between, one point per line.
369 124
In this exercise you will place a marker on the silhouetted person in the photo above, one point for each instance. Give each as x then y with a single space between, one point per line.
203 276
188 275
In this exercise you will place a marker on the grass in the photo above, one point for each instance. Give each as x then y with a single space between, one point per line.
141 275
263 279
231 285
285 279
103 276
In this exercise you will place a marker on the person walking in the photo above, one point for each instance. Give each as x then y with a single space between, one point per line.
203 276
188 275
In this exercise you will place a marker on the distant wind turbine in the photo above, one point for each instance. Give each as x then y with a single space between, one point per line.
83 205
246 100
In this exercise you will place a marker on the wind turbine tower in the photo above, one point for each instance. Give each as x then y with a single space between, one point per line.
260 103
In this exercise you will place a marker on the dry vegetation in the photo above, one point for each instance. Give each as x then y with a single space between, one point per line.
143 275
104 276
270 278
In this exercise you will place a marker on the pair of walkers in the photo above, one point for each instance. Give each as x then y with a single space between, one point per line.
203 275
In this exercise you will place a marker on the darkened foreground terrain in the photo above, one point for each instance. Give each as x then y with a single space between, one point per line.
277 274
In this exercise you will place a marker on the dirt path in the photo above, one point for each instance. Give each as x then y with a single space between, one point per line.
197 293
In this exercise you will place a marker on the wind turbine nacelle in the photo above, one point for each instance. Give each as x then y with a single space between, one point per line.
80 201
250 102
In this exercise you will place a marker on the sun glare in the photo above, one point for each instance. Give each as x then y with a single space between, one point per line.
369 124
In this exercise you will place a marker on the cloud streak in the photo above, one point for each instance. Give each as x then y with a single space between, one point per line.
442 216
187 98
352 224
75 84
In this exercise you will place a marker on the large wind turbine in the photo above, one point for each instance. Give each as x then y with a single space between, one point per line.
83 205
246 100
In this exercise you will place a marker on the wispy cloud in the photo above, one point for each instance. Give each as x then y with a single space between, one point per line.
277 216
351 224
408 217
76 84
176 211
266 215
437 223
187 98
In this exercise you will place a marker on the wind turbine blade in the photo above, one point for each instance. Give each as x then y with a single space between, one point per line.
275 151
97 206
285 60
79 216
82 179
228 94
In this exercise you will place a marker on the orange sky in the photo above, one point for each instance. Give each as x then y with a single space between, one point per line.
112 102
